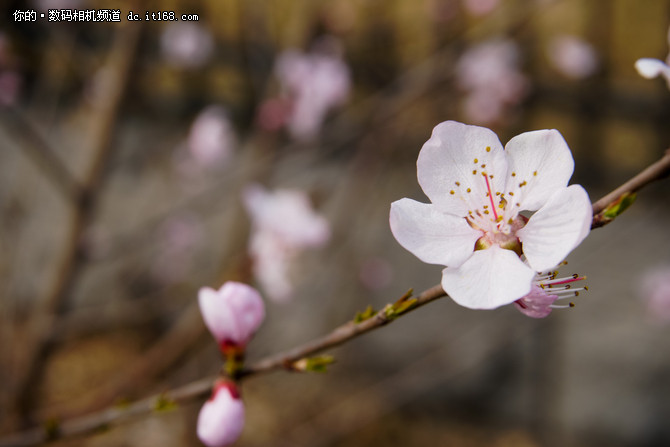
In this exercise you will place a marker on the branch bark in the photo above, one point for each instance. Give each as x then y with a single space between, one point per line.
285 360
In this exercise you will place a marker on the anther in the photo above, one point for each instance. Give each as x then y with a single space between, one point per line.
451 192
458 184
469 190
483 166
513 174
534 173
511 193
522 184
488 148
476 161
474 171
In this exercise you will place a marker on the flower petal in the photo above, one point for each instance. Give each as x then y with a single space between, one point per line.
490 278
540 162
221 418
233 313
451 164
650 68
557 228
431 235
537 304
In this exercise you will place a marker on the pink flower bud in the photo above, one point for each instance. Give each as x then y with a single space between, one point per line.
221 418
233 313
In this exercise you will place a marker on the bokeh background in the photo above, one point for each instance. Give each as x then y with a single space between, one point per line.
126 149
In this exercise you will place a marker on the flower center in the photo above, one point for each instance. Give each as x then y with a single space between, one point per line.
491 221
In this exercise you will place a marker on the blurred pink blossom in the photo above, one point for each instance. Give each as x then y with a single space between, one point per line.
177 238
212 137
572 56
283 224
232 314
186 45
10 87
489 74
655 291
650 68
221 418
315 83
480 7
375 273
10 80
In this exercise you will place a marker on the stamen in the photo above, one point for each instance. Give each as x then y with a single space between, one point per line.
488 186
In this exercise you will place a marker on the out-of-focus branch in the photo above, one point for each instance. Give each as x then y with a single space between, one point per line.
36 348
109 416
40 151
287 359
653 172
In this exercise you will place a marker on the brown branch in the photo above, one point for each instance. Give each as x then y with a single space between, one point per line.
340 335
41 340
96 421
653 172
286 359
41 152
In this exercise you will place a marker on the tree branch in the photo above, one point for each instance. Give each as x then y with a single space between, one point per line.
653 172
286 359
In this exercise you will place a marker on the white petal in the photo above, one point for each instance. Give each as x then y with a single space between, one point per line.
540 162
557 228
450 164
233 313
650 68
431 235
221 419
490 278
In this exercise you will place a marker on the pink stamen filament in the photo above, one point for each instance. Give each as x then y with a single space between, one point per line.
493 207
563 281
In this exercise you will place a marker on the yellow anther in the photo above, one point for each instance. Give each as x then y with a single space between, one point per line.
476 161
511 193
468 190
458 184
534 173
474 171
488 148
513 174
451 192
483 166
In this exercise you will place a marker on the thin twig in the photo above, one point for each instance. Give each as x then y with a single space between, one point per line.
37 347
652 173
340 335
41 152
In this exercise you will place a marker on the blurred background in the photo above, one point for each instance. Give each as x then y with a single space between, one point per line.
142 160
